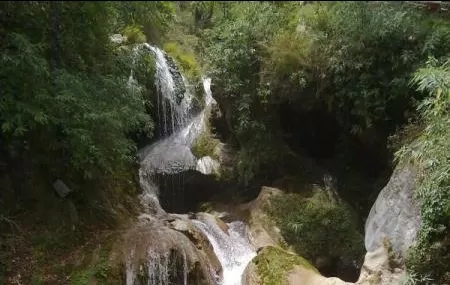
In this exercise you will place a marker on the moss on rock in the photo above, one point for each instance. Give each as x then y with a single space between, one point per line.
186 60
204 145
316 227
274 263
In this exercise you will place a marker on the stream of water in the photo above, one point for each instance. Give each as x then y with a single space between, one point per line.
179 127
232 249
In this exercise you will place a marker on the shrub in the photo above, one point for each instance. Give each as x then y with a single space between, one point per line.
134 34
205 145
430 256
316 227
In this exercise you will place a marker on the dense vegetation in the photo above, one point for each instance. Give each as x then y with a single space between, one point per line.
318 228
431 152
331 81
68 111
352 65
352 60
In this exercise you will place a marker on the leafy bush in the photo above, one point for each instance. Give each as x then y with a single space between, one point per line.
431 151
73 110
316 227
205 145
134 34
353 58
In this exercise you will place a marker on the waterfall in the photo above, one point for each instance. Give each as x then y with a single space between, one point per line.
179 126
172 153
233 249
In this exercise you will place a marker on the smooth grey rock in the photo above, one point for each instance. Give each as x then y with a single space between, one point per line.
61 188
207 165
394 215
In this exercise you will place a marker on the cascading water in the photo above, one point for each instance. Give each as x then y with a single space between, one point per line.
178 128
233 249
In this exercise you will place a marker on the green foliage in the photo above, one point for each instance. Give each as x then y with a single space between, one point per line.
134 34
316 227
205 145
186 60
233 50
155 17
73 109
431 153
102 272
355 58
144 72
274 265
412 278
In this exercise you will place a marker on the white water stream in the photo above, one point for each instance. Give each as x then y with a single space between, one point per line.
172 154
233 249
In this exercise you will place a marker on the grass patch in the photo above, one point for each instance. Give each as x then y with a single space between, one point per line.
274 263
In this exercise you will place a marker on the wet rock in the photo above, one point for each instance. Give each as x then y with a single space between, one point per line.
200 241
176 254
186 191
207 165
213 219
250 275
219 124
224 227
177 78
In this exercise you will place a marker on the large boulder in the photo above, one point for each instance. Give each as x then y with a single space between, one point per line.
167 251
263 231
201 242
329 237
275 266
395 215
382 266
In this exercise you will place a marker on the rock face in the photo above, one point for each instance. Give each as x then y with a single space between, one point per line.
390 230
167 251
207 165
381 267
394 215
263 232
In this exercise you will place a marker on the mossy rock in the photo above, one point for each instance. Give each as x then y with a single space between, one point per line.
205 145
316 227
273 265
189 66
